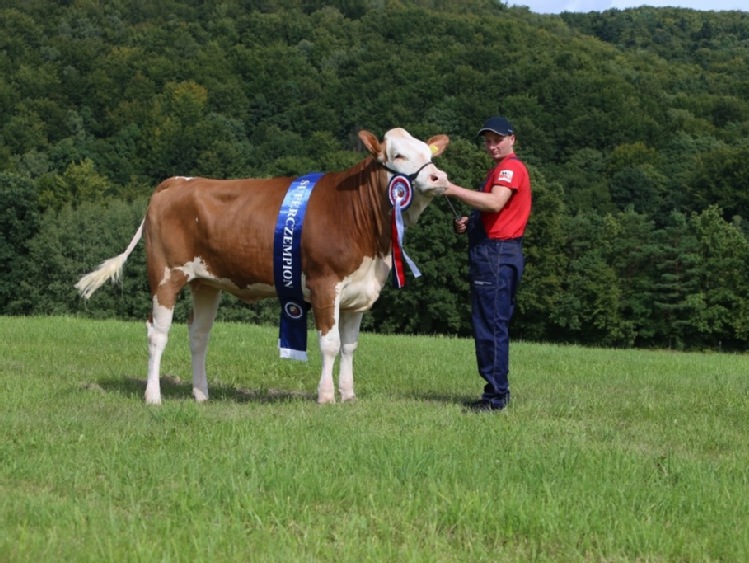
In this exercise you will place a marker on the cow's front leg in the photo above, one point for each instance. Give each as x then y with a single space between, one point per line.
330 343
350 323
325 302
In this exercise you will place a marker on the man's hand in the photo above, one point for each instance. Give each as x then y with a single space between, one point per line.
460 225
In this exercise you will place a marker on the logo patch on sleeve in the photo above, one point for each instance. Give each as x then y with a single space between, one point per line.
505 176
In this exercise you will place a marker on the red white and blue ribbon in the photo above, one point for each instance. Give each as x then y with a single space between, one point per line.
400 193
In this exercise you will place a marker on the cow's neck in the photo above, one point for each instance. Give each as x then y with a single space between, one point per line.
364 188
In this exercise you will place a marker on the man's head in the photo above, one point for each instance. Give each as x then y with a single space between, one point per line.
499 137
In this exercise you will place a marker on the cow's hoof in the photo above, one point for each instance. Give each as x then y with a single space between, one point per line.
348 398
200 397
326 399
153 400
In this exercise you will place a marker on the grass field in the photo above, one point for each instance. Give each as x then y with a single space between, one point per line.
604 455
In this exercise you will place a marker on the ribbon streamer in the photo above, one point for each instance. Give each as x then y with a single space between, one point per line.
401 194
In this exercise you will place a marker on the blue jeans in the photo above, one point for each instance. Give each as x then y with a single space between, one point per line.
496 267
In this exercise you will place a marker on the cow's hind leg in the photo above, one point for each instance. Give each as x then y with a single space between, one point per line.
164 295
205 300
350 323
158 334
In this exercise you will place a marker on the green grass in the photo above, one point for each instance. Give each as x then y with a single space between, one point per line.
604 455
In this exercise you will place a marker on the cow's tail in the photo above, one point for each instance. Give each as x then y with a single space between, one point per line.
109 269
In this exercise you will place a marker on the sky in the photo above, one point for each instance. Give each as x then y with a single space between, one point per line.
557 6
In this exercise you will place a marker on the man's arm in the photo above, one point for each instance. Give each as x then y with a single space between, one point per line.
492 201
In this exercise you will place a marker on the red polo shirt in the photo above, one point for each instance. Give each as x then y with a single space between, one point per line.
511 220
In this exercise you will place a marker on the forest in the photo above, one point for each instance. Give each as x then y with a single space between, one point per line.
634 124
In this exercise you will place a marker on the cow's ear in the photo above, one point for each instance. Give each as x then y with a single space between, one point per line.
438 144
371 142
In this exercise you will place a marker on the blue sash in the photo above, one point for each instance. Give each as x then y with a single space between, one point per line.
287 268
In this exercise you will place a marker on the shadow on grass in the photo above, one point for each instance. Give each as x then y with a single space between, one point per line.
438 398
173 387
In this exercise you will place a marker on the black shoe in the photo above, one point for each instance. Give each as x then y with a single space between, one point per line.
482 405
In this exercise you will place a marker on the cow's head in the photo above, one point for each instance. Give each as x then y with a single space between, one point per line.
400 153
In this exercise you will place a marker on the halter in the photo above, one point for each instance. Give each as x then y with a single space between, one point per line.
410 177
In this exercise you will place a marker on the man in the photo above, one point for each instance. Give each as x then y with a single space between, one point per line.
501 208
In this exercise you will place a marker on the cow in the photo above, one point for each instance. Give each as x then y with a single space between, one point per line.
218 235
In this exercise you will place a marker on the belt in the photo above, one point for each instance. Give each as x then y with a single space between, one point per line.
500 240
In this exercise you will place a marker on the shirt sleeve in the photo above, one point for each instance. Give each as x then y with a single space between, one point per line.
507 175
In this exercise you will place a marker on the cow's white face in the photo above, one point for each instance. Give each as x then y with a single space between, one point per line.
408 155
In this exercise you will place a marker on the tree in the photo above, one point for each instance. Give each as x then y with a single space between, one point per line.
19 221
720 313
174 129
71 242
589 304
542 285
583 176
633 255
677 262
721 178
80 182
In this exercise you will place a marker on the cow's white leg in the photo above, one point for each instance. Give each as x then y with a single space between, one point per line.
158 335
350 323
205 302
330 344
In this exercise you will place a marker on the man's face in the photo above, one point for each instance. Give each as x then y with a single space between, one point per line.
498 146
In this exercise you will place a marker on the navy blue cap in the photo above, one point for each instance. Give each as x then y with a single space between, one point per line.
498 125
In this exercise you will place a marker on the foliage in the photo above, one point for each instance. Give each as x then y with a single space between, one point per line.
633 122
19 219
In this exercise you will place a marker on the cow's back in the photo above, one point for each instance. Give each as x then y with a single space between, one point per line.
224 227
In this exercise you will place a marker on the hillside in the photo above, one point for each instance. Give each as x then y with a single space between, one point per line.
634 124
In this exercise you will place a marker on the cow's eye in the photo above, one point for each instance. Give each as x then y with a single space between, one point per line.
400 157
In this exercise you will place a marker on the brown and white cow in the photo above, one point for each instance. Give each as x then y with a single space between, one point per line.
216 235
